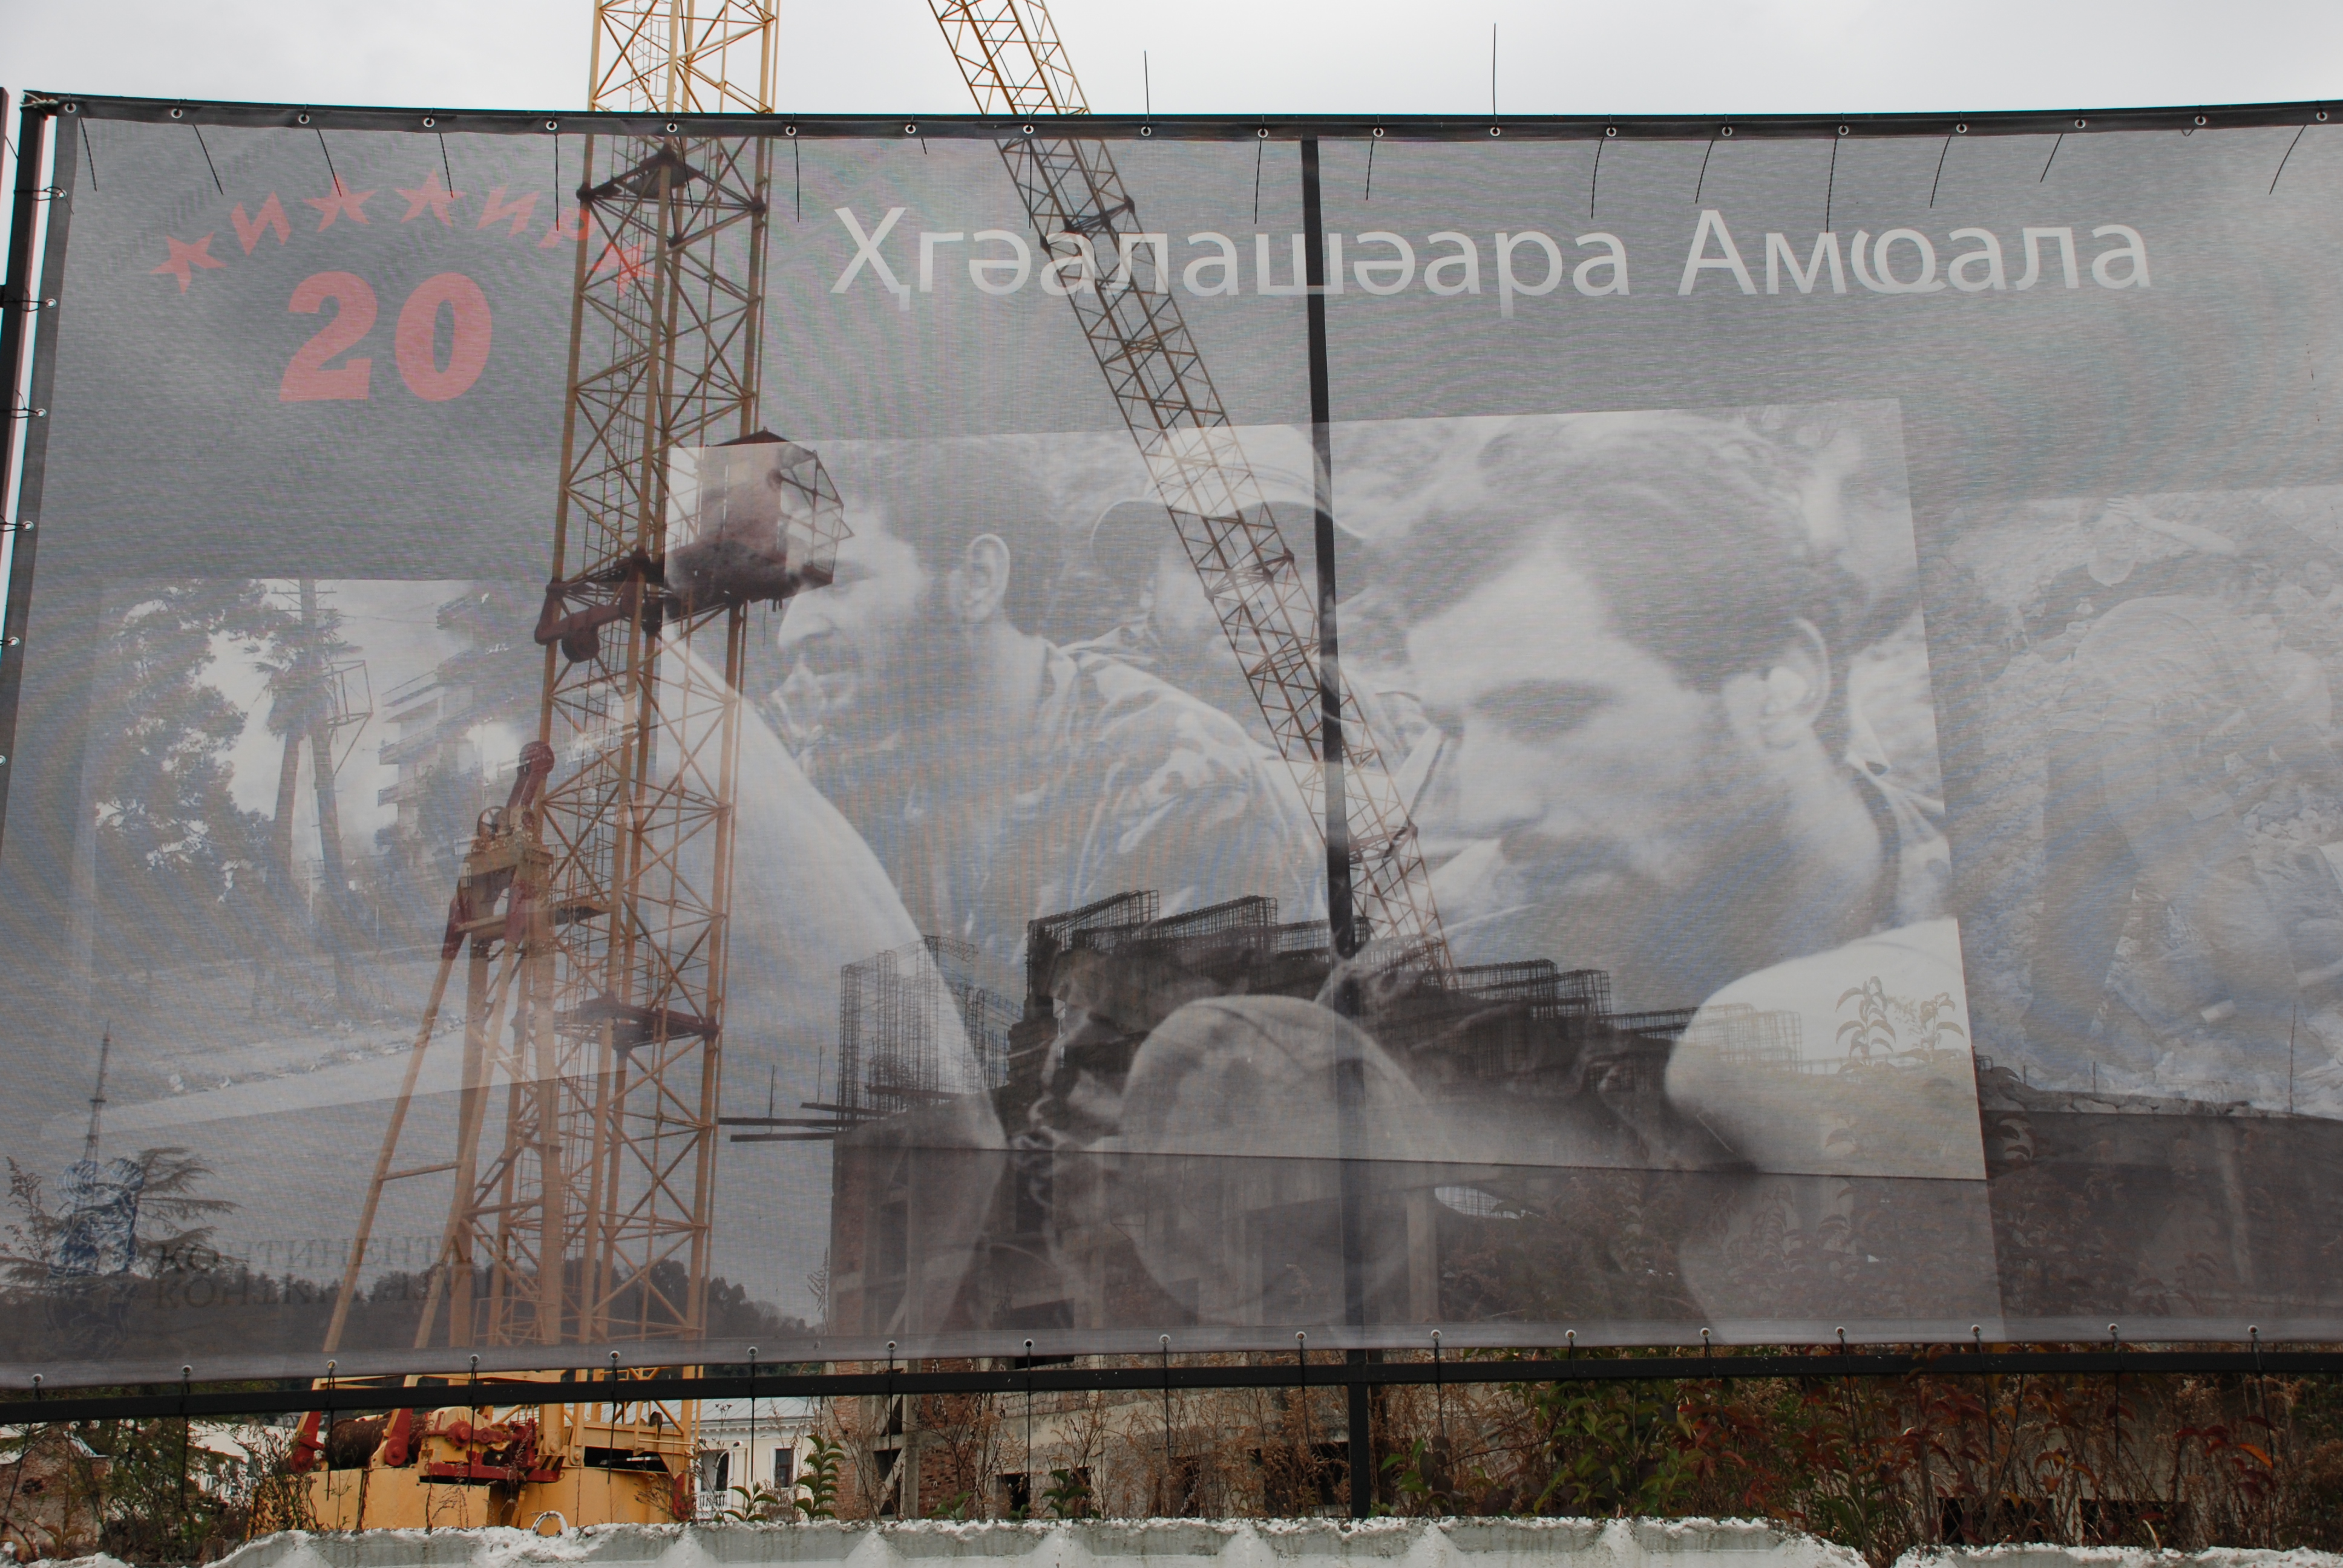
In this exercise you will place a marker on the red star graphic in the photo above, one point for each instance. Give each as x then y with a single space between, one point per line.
625 261
344 200
187 258
432 195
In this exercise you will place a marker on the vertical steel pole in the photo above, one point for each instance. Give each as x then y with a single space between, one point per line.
1350 1072
27 319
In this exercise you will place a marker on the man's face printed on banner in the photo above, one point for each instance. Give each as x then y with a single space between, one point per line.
1597 805
1586 780
860 651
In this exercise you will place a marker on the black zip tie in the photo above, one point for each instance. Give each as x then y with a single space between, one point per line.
2289 153
89 155
208 157
1830 185
2052 158
1940 155
1702 183
331 172
1371 169
1595 180
1260 150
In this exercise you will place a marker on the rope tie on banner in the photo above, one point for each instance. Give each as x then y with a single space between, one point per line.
208 157
1941 154
331 171
445 167
1595 180
1260 150
2052 158
1371 164
185 1373
1701 183
1169 1481
2114 1402
89 155
1028 1426
1439 1392
1301 1383
2289 153
472 1426
1830 186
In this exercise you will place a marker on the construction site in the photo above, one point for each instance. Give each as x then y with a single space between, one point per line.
585 947
826 926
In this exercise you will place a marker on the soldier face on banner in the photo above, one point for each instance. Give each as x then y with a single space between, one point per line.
872 650
1635 770
1600 797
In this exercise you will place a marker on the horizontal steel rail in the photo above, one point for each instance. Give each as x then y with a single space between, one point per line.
782 1383
1194 127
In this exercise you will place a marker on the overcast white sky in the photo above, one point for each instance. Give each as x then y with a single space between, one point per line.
1391 56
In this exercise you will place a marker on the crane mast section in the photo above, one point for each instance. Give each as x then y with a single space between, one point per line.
682 57
638 821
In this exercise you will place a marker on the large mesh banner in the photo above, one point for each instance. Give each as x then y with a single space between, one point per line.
628 740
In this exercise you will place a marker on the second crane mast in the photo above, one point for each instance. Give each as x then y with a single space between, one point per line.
1010 54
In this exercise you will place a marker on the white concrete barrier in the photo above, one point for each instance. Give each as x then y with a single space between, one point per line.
1079 1544
1180 1543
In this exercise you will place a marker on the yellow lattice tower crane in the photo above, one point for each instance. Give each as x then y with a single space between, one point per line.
592 909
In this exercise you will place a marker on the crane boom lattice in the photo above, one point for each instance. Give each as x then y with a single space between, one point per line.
1011 56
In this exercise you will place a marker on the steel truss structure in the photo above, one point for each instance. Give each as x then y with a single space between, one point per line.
1010 54
683 57
595 912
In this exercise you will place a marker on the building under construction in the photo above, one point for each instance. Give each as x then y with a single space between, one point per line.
1067 1207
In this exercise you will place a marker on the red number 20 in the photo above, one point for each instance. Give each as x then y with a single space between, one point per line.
311 378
